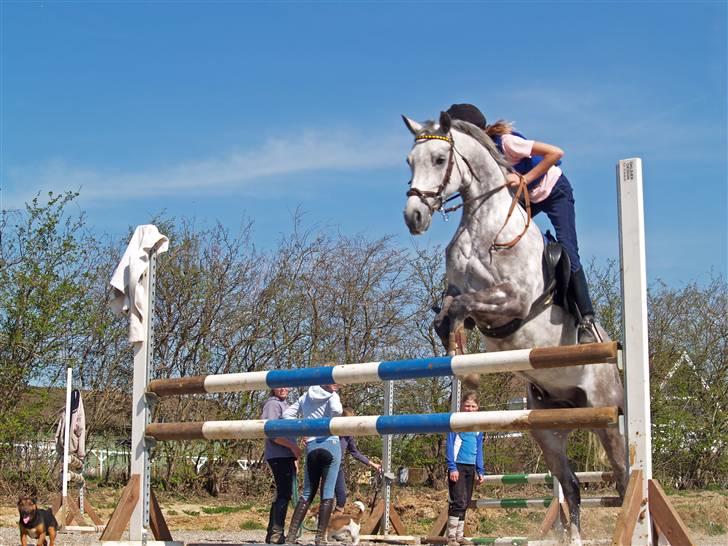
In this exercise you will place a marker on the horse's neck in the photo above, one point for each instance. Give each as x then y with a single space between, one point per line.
487 203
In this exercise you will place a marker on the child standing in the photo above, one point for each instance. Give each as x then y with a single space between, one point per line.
465 466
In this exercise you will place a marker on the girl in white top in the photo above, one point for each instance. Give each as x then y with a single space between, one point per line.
323 457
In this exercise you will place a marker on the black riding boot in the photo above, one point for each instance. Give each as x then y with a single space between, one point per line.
296 520
323 522
587 331
277 522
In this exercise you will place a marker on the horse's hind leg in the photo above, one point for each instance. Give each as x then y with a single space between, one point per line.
553 445
614 445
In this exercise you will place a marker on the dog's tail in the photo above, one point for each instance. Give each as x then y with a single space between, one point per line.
360 506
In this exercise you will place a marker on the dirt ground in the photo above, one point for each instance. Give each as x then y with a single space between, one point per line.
230 520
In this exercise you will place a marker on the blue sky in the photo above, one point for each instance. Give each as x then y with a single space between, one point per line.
232 110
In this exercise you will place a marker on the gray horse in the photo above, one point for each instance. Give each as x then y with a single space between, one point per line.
494 275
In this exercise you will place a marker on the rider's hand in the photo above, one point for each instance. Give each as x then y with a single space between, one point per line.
376 466
513 180
454 475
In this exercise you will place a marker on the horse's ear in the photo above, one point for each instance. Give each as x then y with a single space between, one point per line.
445 122
412 125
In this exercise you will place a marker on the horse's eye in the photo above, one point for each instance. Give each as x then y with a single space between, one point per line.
440 160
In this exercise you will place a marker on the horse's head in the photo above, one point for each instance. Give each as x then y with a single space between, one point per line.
431 160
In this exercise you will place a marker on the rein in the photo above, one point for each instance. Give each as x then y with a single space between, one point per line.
440 201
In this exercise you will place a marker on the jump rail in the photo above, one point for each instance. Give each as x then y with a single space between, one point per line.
548 479
545 502
372 372
548 419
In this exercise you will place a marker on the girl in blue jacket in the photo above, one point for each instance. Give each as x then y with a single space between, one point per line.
464 466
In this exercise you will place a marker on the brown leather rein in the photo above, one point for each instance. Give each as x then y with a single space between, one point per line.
440 201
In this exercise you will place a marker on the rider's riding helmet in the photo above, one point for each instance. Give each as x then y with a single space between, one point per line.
469 113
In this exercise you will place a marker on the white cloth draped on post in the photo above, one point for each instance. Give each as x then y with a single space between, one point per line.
77 432
76 437
128 294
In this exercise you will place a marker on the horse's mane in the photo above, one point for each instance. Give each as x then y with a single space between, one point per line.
483 138
431 127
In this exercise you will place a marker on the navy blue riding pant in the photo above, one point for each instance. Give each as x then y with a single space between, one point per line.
559 207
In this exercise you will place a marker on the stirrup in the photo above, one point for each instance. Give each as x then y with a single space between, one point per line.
587 331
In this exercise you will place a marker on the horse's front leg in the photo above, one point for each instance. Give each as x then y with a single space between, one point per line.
490 307
442 323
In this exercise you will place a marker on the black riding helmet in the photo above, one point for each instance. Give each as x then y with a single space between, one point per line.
469 113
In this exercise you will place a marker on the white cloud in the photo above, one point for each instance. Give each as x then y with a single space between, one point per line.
611 120
236 172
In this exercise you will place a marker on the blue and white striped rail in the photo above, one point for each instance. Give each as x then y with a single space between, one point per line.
548 419
373 372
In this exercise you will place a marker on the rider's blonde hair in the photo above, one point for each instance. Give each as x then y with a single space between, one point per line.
500 127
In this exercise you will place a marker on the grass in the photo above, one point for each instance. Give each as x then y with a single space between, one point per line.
222 509
191 512
250 525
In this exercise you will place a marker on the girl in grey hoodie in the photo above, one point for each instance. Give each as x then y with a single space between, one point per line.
323 457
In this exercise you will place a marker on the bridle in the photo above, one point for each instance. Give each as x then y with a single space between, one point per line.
437 194
440 201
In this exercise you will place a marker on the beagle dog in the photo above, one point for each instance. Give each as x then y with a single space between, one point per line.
345 526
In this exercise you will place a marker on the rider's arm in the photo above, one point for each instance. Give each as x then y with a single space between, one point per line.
550 153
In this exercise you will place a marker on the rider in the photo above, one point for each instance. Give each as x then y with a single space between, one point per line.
549 191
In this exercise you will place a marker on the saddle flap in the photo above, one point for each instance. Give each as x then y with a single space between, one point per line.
556 269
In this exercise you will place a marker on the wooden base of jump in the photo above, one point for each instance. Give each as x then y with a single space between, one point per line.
557 511
666 521
373 522
69 510
124 508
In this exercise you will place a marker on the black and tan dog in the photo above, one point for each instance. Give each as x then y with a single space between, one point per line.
36 523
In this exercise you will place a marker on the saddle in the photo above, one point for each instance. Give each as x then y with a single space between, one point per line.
556 268
556 271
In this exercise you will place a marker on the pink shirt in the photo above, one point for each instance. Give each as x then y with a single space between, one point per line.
516 148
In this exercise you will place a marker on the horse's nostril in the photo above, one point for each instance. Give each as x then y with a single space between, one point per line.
418 217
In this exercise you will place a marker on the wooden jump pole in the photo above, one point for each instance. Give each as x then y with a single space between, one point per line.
373 372
492 421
